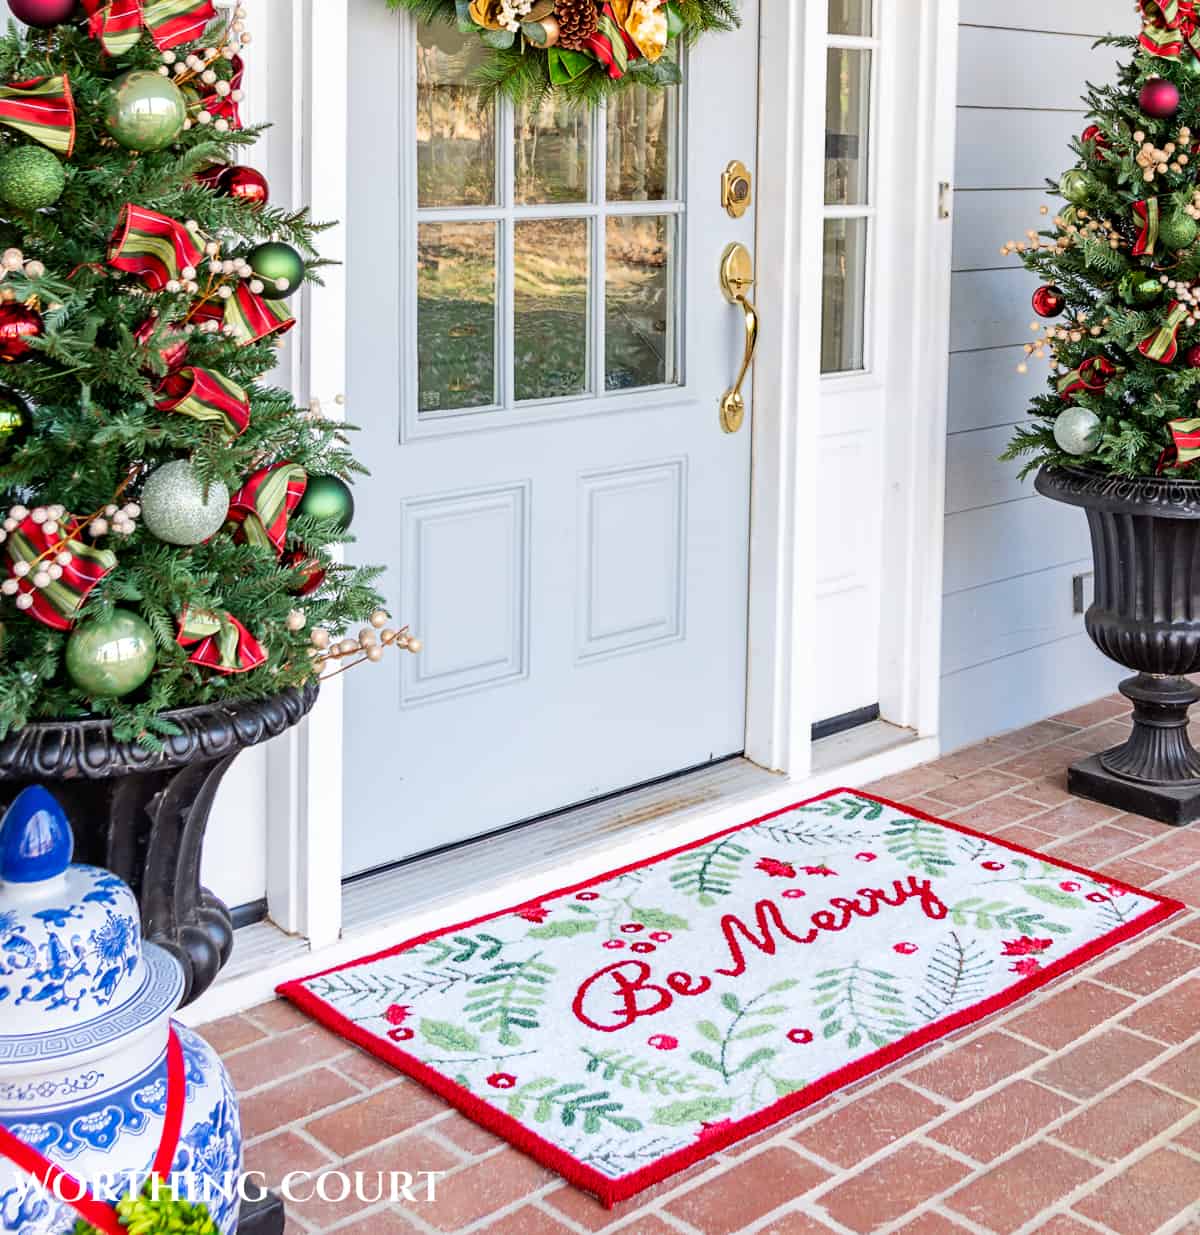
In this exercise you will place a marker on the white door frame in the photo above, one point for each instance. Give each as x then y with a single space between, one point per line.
308 56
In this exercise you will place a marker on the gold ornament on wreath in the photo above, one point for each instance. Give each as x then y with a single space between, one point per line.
583 50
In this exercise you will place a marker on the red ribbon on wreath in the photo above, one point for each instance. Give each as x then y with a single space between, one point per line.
1168 26
1091 377
1148 217
118 24
611 45
58 605
220 641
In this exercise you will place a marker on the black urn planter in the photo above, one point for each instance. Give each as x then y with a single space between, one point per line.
143 815
1146 616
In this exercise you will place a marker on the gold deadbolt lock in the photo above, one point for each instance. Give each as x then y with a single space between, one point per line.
737 278
737 189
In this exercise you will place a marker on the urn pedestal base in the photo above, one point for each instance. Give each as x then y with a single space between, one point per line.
265 1217
1177 805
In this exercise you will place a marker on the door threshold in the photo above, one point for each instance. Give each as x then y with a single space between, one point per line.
494 873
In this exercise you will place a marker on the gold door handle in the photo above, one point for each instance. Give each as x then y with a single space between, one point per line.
737 277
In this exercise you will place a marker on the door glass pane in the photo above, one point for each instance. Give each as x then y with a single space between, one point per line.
642 124
456 315
552 152
850 17
640 302
843 297
847 120
456 138
551 258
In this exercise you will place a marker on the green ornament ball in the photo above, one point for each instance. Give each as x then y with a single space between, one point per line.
328 497
178 509
1139 287
1077 431
1076 186
108 658
1179 231
279 266
16 422
144 110
31 178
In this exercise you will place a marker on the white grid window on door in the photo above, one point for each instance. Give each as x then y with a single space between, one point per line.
548 242
852 73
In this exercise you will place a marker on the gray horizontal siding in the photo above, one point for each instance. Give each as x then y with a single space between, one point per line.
1013 651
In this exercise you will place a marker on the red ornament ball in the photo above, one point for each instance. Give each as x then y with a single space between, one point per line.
309 567
1048 301
173 349
246 183
1095 136
18 324
1159 98
43 13
1192 357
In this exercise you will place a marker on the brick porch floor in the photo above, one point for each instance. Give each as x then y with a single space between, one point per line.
1077 1112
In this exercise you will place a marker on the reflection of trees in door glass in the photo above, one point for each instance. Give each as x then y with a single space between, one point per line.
641 125
456 138
456 315
639 297
552 152
550 293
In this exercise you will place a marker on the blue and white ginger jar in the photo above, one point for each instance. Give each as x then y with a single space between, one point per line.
85 1015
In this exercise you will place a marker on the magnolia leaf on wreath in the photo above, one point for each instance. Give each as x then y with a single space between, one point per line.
540 47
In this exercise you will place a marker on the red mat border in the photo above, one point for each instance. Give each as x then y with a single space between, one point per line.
611 1191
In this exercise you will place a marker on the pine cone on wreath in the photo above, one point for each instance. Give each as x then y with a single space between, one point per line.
578 20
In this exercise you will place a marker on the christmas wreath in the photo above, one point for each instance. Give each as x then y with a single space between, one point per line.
583 50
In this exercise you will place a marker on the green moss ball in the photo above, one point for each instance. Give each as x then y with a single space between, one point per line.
31 178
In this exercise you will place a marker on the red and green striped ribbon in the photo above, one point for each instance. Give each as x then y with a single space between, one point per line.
263 505
1148 217
608 44
250 317
58 605
41 108
118 24
207 396
220 641
1163 344
225 106
152 246
1186 434
1168 26
1091 377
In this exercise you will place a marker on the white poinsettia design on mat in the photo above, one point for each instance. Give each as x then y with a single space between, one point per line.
633 1024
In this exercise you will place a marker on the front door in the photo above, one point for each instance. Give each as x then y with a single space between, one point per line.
538 345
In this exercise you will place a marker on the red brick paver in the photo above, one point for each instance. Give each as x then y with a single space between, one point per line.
1075 1113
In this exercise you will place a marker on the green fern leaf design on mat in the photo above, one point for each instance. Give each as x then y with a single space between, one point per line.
810 833
659 919
955 976
987 915
749 1020
461 949
513 993
861 1003
698 1110
709 873
565 929
633 1073
920 846
353 988
448 1037
544 1100
1053 896
848 808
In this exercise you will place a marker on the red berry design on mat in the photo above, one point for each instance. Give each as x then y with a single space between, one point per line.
534 913
1114 891
1069 885
818 870
642 947
794 893
1026 965
801 1037
397 1013
905 949
775 868
588 896
632 928
662 936
400 1035
502 1080
866 856
614 943
1025 946
993 866
1097 898
663 1042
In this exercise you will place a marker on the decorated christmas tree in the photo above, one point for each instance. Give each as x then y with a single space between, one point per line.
167 514
1120 304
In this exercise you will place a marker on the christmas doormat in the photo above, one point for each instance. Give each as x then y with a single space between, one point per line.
620 1030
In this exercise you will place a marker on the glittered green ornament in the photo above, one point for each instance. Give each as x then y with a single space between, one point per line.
1139 287
144 110
110 657
1178 231
16 422
31 178
178 508
279 266
1076 186
328 497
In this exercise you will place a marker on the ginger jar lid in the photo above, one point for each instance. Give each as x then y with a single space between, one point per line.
73 976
